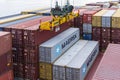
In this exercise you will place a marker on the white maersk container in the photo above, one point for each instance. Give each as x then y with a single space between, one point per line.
53 48
59 64
79 66
106 18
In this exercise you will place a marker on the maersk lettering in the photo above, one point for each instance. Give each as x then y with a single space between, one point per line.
68 41
91 58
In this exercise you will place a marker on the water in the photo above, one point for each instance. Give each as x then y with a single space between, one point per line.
8 7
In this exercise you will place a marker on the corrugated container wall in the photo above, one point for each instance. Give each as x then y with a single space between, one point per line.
87 28
109 67
106 18
5 42
7 76
80 65
59 65
97 18
116 19
53 48
87 16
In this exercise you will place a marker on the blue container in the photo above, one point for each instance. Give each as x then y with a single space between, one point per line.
87 36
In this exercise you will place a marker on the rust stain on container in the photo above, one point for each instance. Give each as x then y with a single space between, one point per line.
109 70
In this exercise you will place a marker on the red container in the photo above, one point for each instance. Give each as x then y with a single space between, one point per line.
82 10
104 43
32 71
109 67
5 42
87 16
31 54
33 36
106 32
115 33
18 70
17 51
6 62
7 76
96 33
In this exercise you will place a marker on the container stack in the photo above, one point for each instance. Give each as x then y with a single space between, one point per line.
97 26
26 38
76 62
87 24
59 65
115 33
6 62
78 21
106 28
17 31
52 49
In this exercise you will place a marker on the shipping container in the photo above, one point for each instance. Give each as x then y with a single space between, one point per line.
81 63
106 33
94 4
16 18
82 10
96 33
21 21
106 18
31 71
7 76
19 70
116 19
97 18
9 16
115 35
31 54
59 64
87 36
52 49
87 16
90 7
104 43
87 28
6 62
109 67
5 42
45 71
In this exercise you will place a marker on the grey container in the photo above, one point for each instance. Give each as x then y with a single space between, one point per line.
87 28
80 65
106 18
53 48
59 64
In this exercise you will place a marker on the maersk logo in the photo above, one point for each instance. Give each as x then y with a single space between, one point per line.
58 49
84 69
69 41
